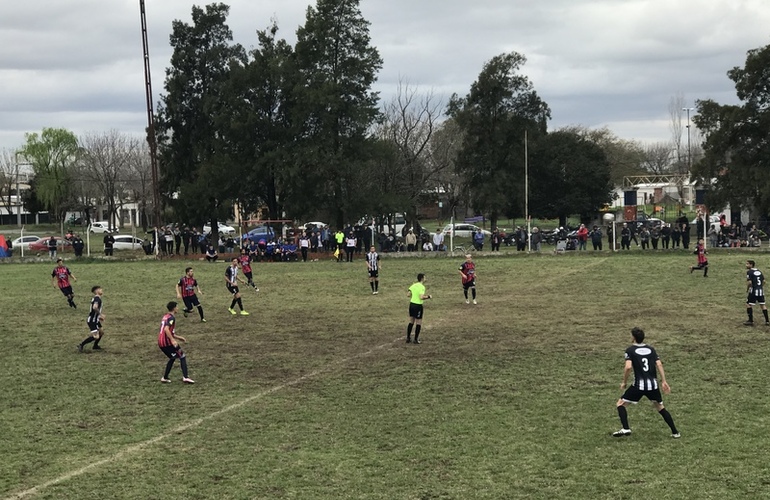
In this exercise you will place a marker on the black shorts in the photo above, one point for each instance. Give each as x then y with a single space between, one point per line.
190 302
172 352
233 289
67 291
248 275
374 274
633 394
415 310
753 299
94 326
469 284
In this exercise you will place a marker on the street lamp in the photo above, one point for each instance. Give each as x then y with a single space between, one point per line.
689 151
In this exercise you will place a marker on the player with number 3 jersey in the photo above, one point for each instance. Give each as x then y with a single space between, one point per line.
755 283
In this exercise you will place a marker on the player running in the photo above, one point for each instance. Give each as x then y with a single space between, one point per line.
245 262
755 283
94 320
645 362
61 277
468 273
186 290
168 341
703 263
231 281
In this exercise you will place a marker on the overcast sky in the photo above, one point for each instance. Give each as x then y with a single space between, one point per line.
77 64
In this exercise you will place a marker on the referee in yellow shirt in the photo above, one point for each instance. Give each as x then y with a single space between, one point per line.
416 296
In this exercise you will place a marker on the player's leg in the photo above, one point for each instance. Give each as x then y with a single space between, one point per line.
473 293
750 311
234 301
764 313
623 415
706 270
170 352
376 284
417 328
371 282
183 364
658 405
465 292
409 328
98 337
91 337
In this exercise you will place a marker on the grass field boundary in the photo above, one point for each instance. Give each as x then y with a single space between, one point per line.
135 448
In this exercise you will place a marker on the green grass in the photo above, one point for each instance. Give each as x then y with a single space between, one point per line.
315 395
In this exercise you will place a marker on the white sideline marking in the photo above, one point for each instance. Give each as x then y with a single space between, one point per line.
194 423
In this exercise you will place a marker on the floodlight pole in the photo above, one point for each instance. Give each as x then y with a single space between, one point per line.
151 140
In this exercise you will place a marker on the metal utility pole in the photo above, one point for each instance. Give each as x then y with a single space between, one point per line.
689 150
151 140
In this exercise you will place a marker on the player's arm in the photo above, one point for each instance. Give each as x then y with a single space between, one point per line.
178 291
198 287
626 372
170 336
53 281
179 337
663 383
425 296
73 277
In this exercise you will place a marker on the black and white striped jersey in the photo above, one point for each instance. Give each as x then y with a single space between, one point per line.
643 358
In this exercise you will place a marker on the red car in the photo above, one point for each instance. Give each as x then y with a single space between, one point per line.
41 245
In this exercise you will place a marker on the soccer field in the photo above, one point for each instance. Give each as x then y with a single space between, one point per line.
315 395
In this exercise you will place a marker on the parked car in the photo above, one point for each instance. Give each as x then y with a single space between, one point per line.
310 225
24 241
127 242
41 245
222 228
101 227
260 233
464 230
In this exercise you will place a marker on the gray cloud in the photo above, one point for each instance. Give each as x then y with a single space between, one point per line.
78 64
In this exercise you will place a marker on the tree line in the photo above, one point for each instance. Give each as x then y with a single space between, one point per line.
298 131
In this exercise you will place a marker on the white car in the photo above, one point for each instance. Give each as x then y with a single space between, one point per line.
24 241
319 225
127 242
223 228
463 230
101 227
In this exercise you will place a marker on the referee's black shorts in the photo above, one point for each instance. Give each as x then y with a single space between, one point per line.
415 310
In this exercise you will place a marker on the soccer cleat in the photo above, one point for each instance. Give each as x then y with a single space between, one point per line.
376 292
408 340
256 289
97 348
203 320
165 380
416 342
80 347
474 302
184 311
232 311
748 323
244 313
622 433
467 301
676 435
188 380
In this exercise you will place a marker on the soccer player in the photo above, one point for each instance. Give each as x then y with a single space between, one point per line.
703 263
373 265
468 273
231 281
94 320
645 362
168 341
186 290
61 277
755 283
416 296
245 261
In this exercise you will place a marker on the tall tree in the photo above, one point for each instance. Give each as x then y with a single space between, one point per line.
52 153
659 158
139 183
196 176
501 106
336 104
259 128
8 168
737 146
105 158
570 175
409 122
626 158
